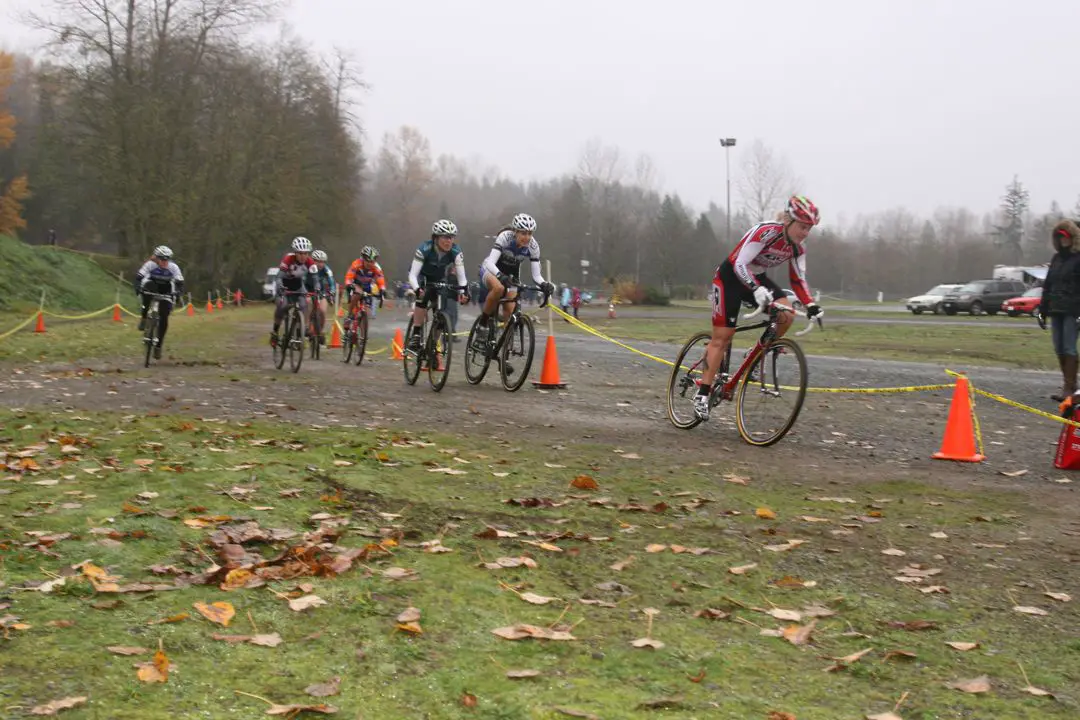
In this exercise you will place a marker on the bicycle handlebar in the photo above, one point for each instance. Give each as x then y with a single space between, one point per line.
518 286
775 308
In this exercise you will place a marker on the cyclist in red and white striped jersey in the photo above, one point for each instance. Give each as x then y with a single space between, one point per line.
741 278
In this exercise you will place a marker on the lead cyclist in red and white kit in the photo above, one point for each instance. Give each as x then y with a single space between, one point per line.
741 278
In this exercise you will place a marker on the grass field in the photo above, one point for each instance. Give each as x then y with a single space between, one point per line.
153 502
73 282
1022 347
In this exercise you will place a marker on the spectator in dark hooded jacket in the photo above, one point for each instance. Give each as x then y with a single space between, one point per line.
1061 301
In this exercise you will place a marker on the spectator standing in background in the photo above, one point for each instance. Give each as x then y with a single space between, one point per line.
1061 301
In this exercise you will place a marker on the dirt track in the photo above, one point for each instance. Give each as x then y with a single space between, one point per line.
614 397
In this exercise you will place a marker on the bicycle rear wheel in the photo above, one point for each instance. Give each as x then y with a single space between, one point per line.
348 342
150 336
684 380
771 394
360 337
517 353
410 361
477 352
296 339
440 348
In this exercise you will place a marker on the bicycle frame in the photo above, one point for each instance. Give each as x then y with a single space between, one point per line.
726 388
515 316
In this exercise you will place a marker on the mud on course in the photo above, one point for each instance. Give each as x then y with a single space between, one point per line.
614 398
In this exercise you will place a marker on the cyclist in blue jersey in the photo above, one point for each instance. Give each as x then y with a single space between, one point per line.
430 265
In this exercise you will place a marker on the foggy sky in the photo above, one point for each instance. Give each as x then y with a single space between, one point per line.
877 105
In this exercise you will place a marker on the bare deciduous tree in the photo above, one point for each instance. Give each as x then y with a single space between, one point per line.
765 181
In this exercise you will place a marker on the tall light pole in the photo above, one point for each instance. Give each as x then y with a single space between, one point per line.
727 144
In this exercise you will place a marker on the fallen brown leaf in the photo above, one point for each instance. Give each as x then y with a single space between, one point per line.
962 646
326 689
655 548
899 655
647 643
765 513
571 712
306 602
127 650
292 711
536 599
980 684
409 614
843 662
799 634
156 671
468 700
622 564
221 613
742 569
584 482
411 627
522 674
1059 596
1029 610
884 716
55 706
777 715
1037 692
913 625
712 614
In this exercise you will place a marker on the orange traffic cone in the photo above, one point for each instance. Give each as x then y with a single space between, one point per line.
238 298
209 306
40 327
335 337
399 344
959 441
116 312
190 309
549 376
220 305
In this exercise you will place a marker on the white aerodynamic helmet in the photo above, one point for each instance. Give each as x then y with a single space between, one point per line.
163 251
523 222
444 228
301 244
319 255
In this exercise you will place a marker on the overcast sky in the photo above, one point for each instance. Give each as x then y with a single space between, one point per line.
916 103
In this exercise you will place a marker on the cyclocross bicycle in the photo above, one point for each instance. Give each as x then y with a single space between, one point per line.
513 349
354 339
768 387
153 322
291 340
438 342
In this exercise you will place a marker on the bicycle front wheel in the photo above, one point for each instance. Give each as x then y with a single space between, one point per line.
477 352
440 347
684 380
771 394
295 339
517 353
360 337
150 337
410 362
348 342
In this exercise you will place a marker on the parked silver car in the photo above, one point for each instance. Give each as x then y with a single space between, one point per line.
930 301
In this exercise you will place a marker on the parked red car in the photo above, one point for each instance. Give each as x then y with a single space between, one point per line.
1026 304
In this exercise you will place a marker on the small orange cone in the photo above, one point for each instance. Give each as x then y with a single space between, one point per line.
220 305
399 344
335 337
116 312
238 298
959 441
209 306
40 327
549 376
190 309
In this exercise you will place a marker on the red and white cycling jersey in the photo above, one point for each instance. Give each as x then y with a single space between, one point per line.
293 272
764 246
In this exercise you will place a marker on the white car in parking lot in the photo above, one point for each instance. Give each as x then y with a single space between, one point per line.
931 300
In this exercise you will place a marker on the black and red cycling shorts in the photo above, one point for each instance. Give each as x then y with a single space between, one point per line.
728 294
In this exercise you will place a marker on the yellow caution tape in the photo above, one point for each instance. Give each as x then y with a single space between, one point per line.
910 388
79 317
19 327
